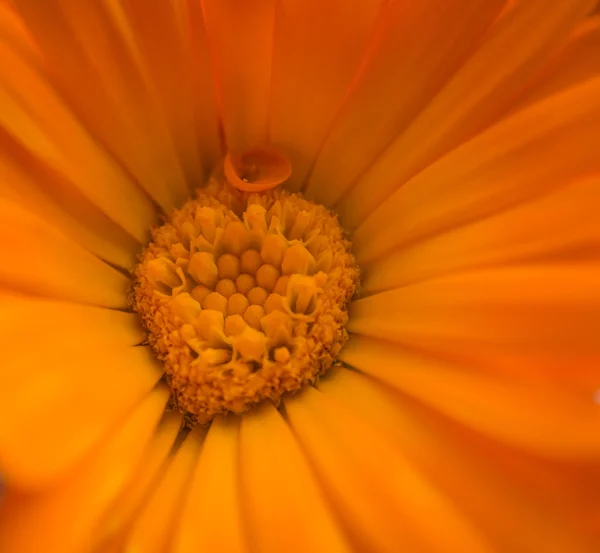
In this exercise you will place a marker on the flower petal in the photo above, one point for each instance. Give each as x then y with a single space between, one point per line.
28 183
23 319
315 58
561 226
494 171
578 61
38 259
63 517
516 409
36 118
524 310
211 519
182 80
280 492
91 56
391 510
520 503
471 101
133 495
153 527
240 36
417 48
60 397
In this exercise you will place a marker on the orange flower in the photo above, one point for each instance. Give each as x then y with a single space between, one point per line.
457 141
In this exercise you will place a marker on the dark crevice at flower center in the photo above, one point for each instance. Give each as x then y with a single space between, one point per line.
244 296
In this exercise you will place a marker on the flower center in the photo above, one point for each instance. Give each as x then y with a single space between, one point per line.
244 296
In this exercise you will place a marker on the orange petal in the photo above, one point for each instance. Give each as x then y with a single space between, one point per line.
478 94
523 310
416 49
38 259
30 184
257 169
561 226
577 62
60 397
136 492
516 409
315 58
153 527
211 519
173 71
284 507
383 500
64 516
93 58
23 319
524 156
519 503
240 36
14 32
35 116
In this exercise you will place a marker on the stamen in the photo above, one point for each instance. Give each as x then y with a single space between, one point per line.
244 295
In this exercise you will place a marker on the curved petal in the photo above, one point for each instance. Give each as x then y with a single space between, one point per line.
22 318
27 182
181 78
280 492
416 49
519 503
471 101
517 409
383 498
94 61
37 119
315 58
562 226
240 36
152 529
60 397
524 310
142 483
38 259
63 517
523 157
211 519
578 61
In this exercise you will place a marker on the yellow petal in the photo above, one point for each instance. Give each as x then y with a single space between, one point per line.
315 58
64 516
578 61
284 507
36 118
132 497
59 397
182 81
520 503
211 519
38 259
24 320
416 49
524 310
153 527
89 52
562 225
524 156
240 36
480 92
28 182
383 500
516 409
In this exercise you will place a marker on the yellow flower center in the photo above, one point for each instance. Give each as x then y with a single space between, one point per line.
244 296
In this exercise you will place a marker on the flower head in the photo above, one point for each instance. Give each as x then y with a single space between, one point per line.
284 275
